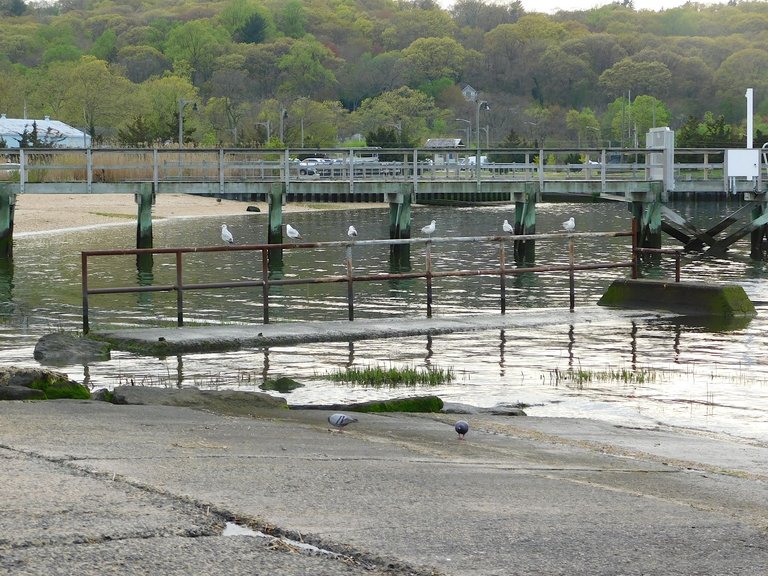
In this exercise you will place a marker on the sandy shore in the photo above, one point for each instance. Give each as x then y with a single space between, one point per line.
50 212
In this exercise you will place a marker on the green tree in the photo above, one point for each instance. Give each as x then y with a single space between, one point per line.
194 45
585 124
305 70
636 77
433 58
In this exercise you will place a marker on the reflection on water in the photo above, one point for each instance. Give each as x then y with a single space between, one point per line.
708 377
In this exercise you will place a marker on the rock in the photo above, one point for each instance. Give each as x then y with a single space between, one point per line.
282 385
253 209
412 404
52 385
21 393
61 348
221 401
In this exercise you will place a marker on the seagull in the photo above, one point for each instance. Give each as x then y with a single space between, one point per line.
226 235
507 227
340 420
461 428
569 224
428 230
293 234
351 232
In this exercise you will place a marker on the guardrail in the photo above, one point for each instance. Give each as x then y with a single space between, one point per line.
107 165
180 286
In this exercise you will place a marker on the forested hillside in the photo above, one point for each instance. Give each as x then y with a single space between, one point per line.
319 72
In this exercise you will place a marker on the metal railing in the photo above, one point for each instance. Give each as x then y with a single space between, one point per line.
502 271
107 165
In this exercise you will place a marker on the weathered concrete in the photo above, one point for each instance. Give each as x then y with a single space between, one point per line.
92 488
687 298
165 341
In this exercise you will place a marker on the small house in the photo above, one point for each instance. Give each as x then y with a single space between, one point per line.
443 153
50 133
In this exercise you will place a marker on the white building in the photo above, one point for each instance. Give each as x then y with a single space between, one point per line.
53 133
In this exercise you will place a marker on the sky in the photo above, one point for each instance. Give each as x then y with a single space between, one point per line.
551 6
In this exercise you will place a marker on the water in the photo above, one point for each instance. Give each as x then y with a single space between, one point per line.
647 373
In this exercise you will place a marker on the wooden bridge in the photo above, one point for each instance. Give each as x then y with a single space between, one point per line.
644 178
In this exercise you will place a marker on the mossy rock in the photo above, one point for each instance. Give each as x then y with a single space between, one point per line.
415 404
54 385
283 385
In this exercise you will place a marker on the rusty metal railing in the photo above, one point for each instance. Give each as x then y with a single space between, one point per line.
429 274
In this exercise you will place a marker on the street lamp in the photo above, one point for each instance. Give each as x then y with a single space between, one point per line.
182 104
266 125
283 116
481 105
484 105
468 129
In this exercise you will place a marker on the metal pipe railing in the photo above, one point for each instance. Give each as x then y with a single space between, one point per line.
429 273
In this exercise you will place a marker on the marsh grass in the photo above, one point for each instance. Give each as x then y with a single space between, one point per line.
392 377
579 377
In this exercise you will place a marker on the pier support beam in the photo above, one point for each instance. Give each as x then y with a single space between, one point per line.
400 227
525 223
648 213
759 236
145 198
275 227
7 206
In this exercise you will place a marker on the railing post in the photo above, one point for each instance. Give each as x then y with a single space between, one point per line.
677 266
265 284
350 285
179 291
635 253
502 278
84 284
571 279
429 279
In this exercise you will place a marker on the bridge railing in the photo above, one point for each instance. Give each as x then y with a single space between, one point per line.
430 274
94 165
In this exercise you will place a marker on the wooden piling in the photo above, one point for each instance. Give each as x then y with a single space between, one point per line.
525 223
275 228
400 226
7 206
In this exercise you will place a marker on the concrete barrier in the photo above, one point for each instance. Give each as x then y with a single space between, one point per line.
686 298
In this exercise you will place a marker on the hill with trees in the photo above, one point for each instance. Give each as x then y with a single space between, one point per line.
322 73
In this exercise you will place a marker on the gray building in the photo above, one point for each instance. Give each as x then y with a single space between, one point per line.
51 133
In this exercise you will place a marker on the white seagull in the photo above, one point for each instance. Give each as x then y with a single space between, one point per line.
293 234
352 233
226 235
338 421
507 227
429 229
569 224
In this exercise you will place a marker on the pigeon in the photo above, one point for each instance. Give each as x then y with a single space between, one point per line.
340 420
293 234
428 230
569 224
507 227
461 428
352 232
226 235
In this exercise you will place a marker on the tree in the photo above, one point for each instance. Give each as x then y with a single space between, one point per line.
195 45
636 77
304 70
433 58
12 7
585 124
414 111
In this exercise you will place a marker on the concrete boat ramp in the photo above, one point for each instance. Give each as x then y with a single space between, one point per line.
232 337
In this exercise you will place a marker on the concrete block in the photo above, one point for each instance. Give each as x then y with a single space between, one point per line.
686 298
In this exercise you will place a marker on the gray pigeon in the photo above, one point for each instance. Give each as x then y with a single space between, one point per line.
340 420
461 428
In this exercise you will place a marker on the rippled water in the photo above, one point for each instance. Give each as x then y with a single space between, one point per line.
644 373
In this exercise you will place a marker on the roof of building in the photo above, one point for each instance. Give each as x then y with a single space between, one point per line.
444 143
52 129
